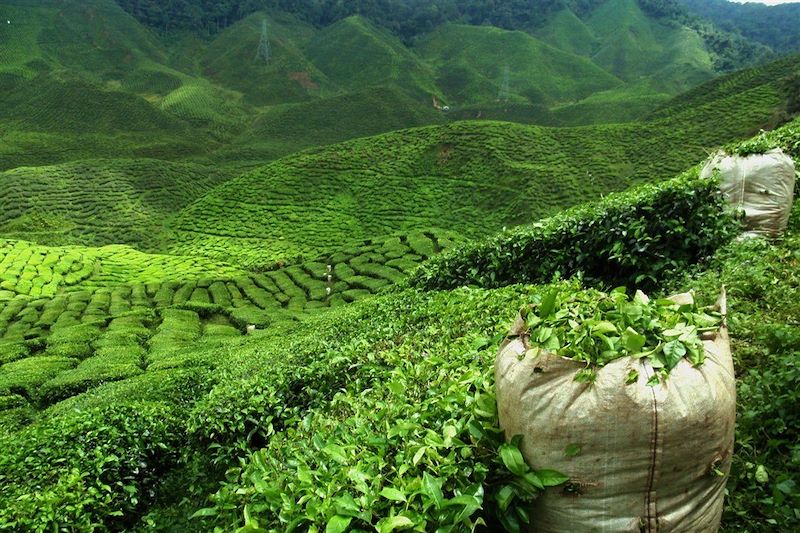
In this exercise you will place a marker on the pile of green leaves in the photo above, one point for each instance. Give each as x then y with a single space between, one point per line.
597 328
637 238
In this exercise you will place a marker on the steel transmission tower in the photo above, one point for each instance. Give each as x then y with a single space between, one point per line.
263 53
505 85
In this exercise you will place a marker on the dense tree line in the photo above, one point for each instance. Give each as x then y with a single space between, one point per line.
775 26
729 50
408 18
405 18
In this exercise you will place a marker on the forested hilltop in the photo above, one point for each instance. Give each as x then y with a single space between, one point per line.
775 26
411 18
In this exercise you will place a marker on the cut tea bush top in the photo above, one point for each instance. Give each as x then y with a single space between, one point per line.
633 238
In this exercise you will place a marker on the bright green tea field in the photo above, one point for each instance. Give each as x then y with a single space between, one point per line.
257 258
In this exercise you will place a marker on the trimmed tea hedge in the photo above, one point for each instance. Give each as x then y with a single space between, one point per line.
633 238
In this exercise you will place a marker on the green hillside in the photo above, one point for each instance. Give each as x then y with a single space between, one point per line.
298 205
282 129
98 202
772 75
354 55
474 57
230 60
566 31
98 40
634 46
110 313
174 95
771 25
358 188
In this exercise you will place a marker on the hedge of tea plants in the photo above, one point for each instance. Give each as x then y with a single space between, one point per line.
635 238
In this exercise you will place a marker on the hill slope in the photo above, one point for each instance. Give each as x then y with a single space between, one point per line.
302 203
471 61
98 202
355 55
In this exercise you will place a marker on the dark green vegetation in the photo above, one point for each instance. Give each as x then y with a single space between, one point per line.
411 18
85 80
197 334
304 204
774 26
634 238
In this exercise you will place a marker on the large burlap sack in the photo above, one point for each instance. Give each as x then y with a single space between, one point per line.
652 458
761 184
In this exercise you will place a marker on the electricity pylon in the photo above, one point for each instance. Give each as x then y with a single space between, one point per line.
505 86
263 53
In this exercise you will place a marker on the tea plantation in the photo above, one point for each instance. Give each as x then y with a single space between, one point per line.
98 202
264 292
97 315
159 358
293 207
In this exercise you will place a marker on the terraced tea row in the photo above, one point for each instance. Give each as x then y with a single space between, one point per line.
473 177
95 338
54 347
99 202
43 271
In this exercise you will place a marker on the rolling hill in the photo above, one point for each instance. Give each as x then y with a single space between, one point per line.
300 204
176 95
538 73
99 202
250 295
248 219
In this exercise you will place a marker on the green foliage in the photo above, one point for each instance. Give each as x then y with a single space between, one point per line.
597 328
434 468
472 60
787 138
109 461
634 238
126 385
377 413
762 282
763 484
26 376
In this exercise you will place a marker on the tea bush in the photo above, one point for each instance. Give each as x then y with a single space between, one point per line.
86 470
377 414
763 281
634 238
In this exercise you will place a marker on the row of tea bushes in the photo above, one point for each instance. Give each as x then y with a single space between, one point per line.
635 238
